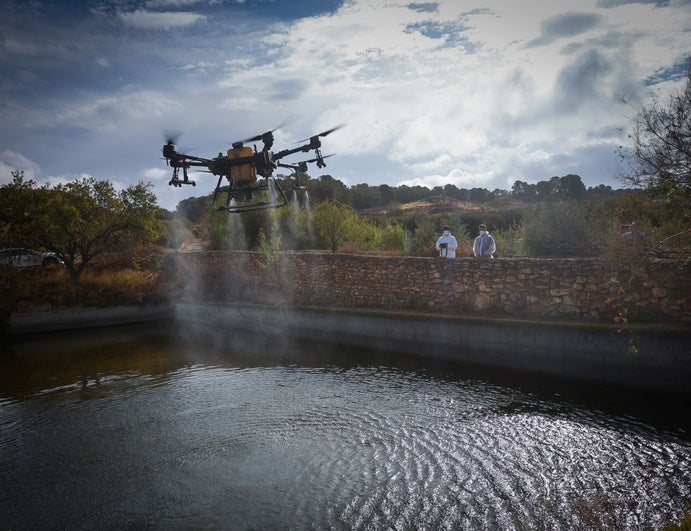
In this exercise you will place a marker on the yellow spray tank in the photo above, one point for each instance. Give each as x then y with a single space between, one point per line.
244 173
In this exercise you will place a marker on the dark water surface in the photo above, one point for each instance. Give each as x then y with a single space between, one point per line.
138 428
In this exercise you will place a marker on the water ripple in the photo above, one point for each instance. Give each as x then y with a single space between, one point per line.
359 447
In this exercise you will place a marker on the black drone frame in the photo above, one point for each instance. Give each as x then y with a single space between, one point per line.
243 167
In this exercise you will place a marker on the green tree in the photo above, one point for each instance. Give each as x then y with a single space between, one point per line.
327 188
394 237
78 220
452 191
562 229
16 204
543 188
193 208
361 234
405 194
510 241
424 237
387 193
571 187
337 225
329 220
659 159
523 190
365 196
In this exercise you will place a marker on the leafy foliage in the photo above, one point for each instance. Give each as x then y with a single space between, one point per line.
334 224
394 237
269 247
193 208
122 279
78 220
424 234
559 230
511 241
364 196
568 187
339 227
327 188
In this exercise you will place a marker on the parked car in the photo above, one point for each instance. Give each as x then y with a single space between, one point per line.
19 257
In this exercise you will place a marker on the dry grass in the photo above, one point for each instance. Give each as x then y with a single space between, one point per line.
111 281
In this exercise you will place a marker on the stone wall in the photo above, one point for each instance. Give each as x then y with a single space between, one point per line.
527 288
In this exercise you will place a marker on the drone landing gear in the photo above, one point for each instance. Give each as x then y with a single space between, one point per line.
264 195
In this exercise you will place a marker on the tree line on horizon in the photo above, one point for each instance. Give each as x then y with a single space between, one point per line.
362 197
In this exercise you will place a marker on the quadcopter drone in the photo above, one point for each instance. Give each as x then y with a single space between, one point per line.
242 167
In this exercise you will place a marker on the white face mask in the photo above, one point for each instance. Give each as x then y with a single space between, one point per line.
446 233
483 232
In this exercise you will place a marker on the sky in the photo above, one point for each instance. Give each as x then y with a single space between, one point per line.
475 93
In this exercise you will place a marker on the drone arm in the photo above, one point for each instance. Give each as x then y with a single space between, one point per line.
197 164
195 161
314 143
285 153
176 159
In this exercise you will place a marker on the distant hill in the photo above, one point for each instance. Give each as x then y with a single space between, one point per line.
442 204
437 204
432 205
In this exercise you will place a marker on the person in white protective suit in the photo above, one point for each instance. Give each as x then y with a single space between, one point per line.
447 244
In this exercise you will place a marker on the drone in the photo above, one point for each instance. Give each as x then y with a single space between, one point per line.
248 173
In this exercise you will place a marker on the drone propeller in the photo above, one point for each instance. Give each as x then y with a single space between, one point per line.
317 159
268 134
259 137
171 137
325 133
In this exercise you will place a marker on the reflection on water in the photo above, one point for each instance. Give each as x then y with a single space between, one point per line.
124 430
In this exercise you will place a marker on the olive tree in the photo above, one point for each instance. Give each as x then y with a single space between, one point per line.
79 220
332 223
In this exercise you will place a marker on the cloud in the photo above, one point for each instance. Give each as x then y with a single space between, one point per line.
430 109
157 4
564 25
16 47
457 177
657 3
581 82
143 19
154 174
12 161
28 47
105 113
426 7
478 92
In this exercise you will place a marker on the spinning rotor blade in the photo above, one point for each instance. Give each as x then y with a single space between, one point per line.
332 130
171 137
318 158
325 133
257 137
264 135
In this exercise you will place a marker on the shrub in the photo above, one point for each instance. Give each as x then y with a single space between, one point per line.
510 242
562 229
